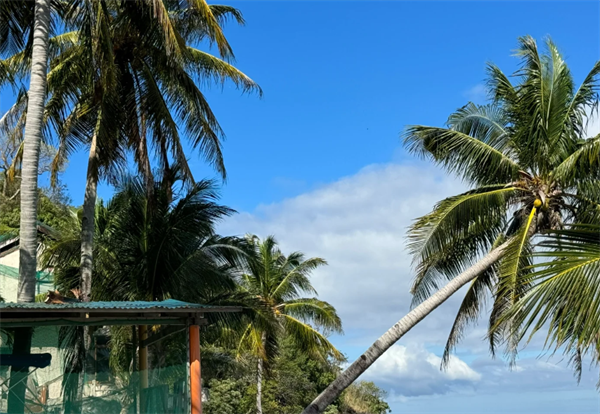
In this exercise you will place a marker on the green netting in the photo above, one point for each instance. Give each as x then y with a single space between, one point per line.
13 272
105 380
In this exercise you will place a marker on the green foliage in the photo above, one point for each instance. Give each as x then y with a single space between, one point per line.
294 380
278 281
126 74
225 397
53 210
364 397
149 247
563 294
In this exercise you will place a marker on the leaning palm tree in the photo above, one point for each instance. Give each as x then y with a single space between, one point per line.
278 281
529 168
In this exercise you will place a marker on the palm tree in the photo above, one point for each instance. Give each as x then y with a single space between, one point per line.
152 250
277 281
15 24
529 167
152 254
148 68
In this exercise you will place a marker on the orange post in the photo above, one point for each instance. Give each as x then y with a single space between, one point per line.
195 375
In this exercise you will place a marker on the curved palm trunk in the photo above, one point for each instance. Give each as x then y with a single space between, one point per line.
396 332
29 194
31 153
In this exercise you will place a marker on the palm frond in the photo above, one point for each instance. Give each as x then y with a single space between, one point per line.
512 283
580 164
471 158
208 68
309 339
321 313
470 309
458 229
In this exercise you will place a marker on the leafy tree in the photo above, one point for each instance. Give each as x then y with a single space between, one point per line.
530 169
11 150
149 246
53 210
225 397
295 379
364 397
167 251
278 282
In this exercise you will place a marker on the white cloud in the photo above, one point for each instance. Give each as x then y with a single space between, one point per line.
358 224
414 371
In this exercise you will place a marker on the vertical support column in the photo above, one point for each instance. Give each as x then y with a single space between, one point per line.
143 368
195 375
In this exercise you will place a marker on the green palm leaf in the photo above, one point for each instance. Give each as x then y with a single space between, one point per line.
471 158
512 282
455 233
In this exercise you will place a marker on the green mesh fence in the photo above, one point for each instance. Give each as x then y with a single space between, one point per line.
58 376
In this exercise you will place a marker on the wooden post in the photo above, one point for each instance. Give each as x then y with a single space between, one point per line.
195 375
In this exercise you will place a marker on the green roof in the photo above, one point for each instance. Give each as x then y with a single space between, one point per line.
170 304
168 312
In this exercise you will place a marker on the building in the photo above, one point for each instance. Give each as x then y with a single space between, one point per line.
9 266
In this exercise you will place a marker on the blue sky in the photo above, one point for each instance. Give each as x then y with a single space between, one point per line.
318 162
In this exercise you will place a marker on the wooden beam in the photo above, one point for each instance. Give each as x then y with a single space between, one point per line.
195 374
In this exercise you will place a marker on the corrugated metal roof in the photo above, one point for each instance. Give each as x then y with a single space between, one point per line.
170 304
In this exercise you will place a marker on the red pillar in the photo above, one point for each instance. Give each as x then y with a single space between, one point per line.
195 376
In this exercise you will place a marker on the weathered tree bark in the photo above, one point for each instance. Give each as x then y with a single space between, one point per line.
87 246
259 377
5 184
29 195
88 222
396 332
31 154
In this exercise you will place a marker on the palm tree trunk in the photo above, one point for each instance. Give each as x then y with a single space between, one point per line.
87 245
259 376
31 154
29 195
397 331
87 222
5 184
